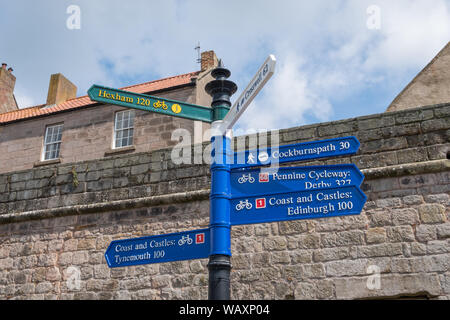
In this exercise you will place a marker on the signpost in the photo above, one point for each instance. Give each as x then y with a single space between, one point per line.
320 203
249 182
149 103
186 245
296 152
241 194
256 84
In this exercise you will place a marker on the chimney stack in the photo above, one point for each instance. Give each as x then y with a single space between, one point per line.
7 83
60 89
209 60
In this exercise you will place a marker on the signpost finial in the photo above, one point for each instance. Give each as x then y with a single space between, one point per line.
220 89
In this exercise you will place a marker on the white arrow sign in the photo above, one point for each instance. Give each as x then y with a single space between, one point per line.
259 80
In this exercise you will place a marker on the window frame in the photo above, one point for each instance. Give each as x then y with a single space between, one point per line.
52 142
123 127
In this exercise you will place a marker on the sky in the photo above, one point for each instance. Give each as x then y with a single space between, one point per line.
335 59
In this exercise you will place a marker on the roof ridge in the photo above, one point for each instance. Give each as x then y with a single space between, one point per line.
24 109
77 102
419 74
163 79
127 87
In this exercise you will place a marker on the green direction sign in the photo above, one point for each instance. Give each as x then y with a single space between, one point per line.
149 103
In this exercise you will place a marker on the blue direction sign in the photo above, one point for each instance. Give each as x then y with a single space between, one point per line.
296 152
320 203
249 182
187 245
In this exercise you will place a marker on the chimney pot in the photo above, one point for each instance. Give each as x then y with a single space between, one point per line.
7 82
208 60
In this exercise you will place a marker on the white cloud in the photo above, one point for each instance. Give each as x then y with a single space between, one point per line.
412 32
287 99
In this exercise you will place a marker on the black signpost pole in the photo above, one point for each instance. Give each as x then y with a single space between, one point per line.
219 265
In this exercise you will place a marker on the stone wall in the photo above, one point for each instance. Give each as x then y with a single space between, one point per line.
56 223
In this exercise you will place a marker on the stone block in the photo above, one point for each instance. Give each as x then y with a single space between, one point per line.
432 213
47 260
86 244
390 286
294 227
309 241
405 216
412 199
330 254
44 287
301 256
197 267
442 198
139 169
426 233
376 235
417 181
299 134
80 257
305 291
23 176
275 243
389 203
345 268
412 155
372 122
407 265
160 281
393 144
438 152
280 257
337 127
313 271
438 246
418 249
445 282
443 231
353 237
53 274
437 263
400 234
380 250
435 124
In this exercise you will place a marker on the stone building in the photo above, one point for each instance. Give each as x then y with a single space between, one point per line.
430 86
57 220
68 129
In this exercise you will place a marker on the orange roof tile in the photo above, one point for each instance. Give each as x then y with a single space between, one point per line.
83 101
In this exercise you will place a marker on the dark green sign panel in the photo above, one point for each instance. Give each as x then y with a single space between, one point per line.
149 103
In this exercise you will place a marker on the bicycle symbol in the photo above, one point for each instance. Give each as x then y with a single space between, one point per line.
243 204
184 240
245 178
159 104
